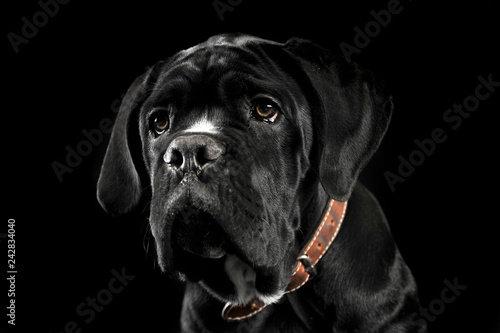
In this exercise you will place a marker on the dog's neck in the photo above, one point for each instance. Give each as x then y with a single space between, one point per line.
307 302
199 302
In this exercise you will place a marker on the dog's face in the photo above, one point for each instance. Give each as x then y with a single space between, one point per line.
237 134
227 150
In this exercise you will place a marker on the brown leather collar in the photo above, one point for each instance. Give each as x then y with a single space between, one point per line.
307 260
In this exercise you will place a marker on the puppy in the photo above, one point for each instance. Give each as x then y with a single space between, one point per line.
252 150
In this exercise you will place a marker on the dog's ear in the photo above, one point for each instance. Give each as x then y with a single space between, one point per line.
351 110
119 186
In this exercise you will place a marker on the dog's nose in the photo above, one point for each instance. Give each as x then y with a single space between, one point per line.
193 152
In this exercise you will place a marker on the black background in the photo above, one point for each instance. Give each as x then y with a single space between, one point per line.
65 79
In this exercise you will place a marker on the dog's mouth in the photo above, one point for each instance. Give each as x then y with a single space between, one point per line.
202 254
198 243
198 233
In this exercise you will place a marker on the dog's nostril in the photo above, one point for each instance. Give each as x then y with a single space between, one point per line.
174 157
206 154
201 157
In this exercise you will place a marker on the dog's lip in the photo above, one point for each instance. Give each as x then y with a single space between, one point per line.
194 267
206 252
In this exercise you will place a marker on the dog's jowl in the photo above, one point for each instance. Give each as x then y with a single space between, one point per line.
252 150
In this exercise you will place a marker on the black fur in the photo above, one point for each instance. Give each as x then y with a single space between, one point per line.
255 189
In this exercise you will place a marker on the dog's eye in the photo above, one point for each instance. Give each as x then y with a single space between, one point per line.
159 121
265 110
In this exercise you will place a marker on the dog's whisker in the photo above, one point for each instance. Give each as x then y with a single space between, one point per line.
146 230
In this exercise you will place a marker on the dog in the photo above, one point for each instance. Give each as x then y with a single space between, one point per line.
252 150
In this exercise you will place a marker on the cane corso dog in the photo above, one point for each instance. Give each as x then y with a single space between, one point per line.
244 143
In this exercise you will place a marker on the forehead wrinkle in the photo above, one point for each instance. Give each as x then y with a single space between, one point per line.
207 71
180 70
201 60
230 70
219 56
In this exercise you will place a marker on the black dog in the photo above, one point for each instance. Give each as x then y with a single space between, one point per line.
245 141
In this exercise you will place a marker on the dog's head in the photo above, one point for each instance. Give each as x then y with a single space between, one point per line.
237 134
